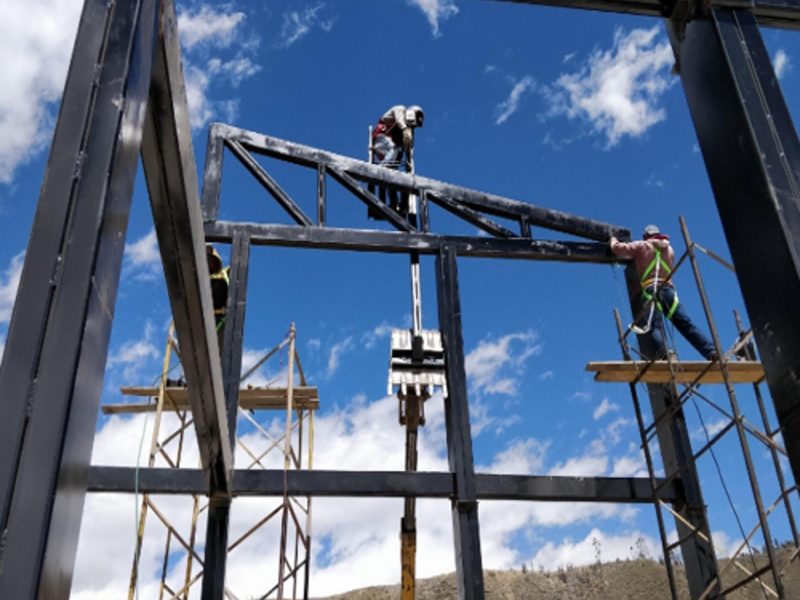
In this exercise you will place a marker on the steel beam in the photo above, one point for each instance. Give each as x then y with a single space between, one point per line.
333 238
752 153
382 484
466 530
91 172
784 14
409 182
169 168
216 552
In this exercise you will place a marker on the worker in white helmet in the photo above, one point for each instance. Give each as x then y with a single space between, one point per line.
654 257
393 136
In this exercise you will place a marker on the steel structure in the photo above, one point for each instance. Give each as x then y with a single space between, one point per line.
125 95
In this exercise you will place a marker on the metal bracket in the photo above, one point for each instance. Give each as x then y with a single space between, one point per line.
416 365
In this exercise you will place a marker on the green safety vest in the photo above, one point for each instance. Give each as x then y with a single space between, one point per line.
662 265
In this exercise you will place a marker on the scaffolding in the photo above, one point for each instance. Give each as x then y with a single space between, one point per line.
264 447
735 366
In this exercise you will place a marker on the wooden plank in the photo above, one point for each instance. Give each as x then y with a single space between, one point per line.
305 398
685 372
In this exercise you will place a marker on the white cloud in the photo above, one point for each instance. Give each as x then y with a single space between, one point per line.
370 338
711 429
510 105
9 283
143 257
590 464
614 431
583 552
494 367
207 26
207 30
299 23
35 60
336 355
617 91
604 408
436 11
782 64
134 355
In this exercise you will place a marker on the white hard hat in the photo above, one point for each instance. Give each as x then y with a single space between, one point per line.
651 230
419 115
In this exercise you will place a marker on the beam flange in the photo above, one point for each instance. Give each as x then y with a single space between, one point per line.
783 14
381 484
333 238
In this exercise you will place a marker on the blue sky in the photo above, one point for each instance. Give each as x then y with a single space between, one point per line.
571 110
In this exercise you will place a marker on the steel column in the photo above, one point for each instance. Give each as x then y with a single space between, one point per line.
169 167
50 228
64 360
752 154
676 452
216 553
466 530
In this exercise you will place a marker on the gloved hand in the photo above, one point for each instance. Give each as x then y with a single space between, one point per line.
408 138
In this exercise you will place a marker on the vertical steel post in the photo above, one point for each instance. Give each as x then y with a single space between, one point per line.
676 452
287 453
752 154
67 298
466 530
216 553
662 529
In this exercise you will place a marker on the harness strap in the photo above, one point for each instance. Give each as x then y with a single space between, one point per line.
223 274
673 307
657 261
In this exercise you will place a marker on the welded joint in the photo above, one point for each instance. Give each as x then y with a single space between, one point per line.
465 506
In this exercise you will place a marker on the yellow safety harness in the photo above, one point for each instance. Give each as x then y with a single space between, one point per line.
657 264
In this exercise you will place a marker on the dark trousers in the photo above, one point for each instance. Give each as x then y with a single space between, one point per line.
667 297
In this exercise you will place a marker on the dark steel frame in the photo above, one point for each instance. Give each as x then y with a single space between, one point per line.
125 93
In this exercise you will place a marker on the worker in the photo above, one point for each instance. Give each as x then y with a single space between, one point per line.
392 145
393 136
654 257
220 281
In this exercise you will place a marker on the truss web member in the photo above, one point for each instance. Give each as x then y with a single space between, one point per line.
653 256
220 281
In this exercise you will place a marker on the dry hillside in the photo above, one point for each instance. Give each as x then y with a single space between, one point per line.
641 579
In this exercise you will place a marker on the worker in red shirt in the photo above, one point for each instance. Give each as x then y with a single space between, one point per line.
653 256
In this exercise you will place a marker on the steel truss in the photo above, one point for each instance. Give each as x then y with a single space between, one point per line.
291 516
683 387
125 94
